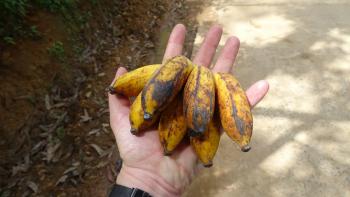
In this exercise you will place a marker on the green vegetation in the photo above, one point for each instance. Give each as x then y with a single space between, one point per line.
56 50
9 40
34 33
56 5
13 23
11 18
60 133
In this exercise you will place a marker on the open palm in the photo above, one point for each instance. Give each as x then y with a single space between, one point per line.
144 164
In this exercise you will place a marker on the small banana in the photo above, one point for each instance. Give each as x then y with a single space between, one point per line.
136 117
206 145
199 100
235 114
131 83
164 85
172 126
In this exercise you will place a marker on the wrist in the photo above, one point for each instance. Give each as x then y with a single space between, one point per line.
146 181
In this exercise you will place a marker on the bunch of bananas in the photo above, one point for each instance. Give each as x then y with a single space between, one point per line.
184 98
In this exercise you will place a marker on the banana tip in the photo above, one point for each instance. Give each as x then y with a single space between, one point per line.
133 131
147 116
194 133
111 90
208 165
167 153
201 129
245 148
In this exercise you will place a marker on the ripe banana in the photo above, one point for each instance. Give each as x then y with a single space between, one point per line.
206 145
172 125
236 117
137 122
199 100
164 85
131 83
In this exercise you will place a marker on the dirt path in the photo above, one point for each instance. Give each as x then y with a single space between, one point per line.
300 144
55 135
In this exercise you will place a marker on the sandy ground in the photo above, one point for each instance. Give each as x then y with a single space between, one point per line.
300 145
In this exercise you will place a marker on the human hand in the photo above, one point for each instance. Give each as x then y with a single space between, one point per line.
144 164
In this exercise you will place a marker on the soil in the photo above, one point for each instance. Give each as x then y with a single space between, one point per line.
55 137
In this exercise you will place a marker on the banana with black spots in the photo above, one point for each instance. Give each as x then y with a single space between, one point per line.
131 83
235 113
164 85
172 125
137 122
205 146
199 100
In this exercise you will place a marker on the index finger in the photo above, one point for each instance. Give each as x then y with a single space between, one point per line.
175 42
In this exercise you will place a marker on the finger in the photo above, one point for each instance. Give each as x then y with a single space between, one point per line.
227 56
118 103
207 50
257 91
175 42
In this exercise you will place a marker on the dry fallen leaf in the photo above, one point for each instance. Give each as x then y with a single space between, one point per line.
93 132
102 164
37 147
62 179
51 150
102 111
88 94
85 117
70 169
22 167
33 186
47 102
105 127
101 74
98 149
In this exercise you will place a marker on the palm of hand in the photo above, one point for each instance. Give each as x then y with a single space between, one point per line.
144 154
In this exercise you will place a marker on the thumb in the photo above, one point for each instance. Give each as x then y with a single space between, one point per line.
118 105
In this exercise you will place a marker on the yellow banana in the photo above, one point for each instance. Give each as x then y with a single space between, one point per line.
235 114
199 100
131 83
164 85
206 145
136 117
172 126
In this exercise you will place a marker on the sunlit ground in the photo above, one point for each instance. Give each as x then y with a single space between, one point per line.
301 143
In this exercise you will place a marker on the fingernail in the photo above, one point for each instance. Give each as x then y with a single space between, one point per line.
118 70
113 82
117 74
180 25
